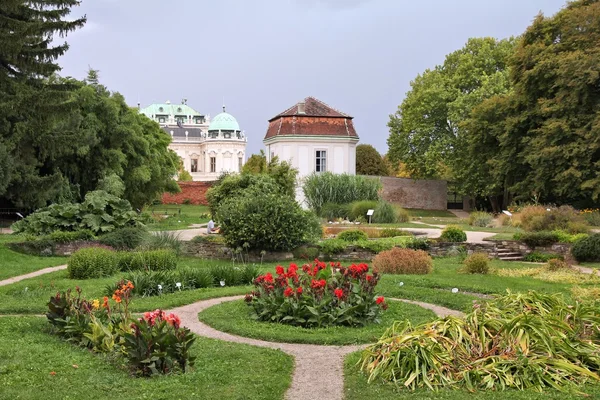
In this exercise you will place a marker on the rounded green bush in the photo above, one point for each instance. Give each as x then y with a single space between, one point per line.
384 213
556 265
360 208
332 211
402 215
92 262
154 260
477 263
352 235
125 238
453 234
480 218
587 249
542 238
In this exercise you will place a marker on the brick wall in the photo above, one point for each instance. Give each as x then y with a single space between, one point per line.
194 192
411 193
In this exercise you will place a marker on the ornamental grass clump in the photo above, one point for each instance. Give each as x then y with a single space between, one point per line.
516 341
403 261
477 263
318 295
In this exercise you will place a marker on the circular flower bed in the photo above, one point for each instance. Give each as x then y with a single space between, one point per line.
318 295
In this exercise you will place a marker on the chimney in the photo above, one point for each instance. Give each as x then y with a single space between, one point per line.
301 108
139 105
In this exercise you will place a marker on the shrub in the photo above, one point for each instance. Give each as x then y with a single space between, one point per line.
391 232
306 253
266 221
556 265
384 213
418 244
125 238
556 350
592 217
541 257
477 263
92 262
333 211
333 246
360 208
453 234
535 239
152 260
538 218
327 187
317 296
100 212
352 235
163 240
403 261
402 215
480 218
587 249
565 237
532 218
67 237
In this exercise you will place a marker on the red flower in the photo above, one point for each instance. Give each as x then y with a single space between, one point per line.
380 300
279 270
299 290
268 277
288 292
318 284
339 293
369 277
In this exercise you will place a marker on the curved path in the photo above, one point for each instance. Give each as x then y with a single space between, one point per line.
318 372
15 279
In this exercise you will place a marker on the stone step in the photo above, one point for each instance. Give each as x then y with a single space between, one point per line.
519 258
512 254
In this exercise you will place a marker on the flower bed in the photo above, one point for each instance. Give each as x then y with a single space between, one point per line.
153 344
318 295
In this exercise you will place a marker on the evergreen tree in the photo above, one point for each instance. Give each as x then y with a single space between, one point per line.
369 161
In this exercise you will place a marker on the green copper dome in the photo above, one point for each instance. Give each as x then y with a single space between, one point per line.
224 122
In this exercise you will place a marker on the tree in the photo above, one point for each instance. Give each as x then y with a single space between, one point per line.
425 131
369 161
256 164
282 171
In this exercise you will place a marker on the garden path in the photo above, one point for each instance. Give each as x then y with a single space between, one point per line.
587 270
32 275
318 372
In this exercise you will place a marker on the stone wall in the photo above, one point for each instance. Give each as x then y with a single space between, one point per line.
441 249
411 193
191 192
46 248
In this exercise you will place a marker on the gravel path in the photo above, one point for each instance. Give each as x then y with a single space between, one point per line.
15 279
587 270
318 372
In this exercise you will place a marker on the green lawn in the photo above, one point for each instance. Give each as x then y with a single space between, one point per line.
590 264
235 317
14 264
28 355
357 388
413 212
172 217
502 236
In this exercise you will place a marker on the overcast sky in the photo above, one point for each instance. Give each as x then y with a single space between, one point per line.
263 56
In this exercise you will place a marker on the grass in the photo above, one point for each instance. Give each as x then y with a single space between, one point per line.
357 388
413 212
590 264
174 217
235 317
501 236
28 354
14 264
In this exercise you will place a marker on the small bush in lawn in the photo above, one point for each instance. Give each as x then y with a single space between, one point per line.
333 211
587 249
384 213
403 261
477 263
418 244
402 215
163 240
541 257
352 235
92 262
556 265
360 208
453 234
154 260
480 218
391 232
125 238
535 239
318 295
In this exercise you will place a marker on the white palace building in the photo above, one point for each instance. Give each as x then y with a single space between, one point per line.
207 147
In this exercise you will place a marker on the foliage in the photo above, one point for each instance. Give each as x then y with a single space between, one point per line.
384 213
535 239
453 233
328 187
124 238
352 235
403 261
92 262
541 257
391 232
184 176
333 211
100 212
425 132
333 246
592 217
360 208
281 171
317 296
261 220
517 341
538 218
163 240
562 275
306 253
369 161
402 215
477 263
555 264
418 244
148 260
480 218
587 249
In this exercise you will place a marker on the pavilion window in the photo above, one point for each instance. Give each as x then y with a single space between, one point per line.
321 161
194 166
213 164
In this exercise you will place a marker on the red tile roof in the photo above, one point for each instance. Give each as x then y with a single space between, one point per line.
319 119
